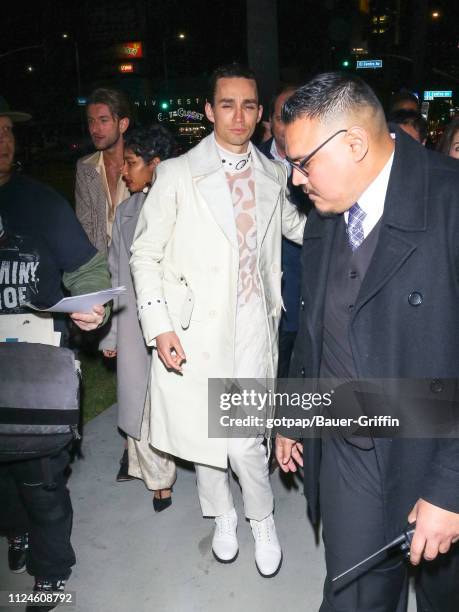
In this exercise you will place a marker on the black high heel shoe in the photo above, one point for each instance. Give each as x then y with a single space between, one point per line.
161 503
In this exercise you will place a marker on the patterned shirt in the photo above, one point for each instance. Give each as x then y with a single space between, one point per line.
242 189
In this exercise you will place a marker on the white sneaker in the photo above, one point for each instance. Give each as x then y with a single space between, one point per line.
268 553
224 543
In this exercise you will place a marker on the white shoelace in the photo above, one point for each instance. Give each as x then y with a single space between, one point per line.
262 530
224 525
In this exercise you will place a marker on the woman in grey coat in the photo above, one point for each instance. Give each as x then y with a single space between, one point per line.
144 149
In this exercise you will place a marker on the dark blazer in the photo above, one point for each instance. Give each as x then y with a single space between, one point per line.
405 322
291 252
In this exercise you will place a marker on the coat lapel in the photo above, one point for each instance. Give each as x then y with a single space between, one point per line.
391 252
267 191
129 218
316 256
404 216
207 172
90 165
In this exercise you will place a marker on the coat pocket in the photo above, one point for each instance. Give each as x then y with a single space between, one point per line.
180 301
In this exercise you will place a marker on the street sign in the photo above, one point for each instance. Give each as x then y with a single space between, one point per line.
430 95
376 63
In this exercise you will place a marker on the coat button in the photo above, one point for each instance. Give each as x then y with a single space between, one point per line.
436 386
302 304
353 274
303 372
415 298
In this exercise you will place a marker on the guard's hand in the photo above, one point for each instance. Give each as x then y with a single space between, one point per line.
170 351
436 530
109 353
91 320
289 453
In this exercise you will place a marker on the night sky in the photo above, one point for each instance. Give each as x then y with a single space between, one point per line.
313 36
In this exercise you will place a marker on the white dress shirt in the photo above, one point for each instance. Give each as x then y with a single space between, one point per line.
275 154
372 199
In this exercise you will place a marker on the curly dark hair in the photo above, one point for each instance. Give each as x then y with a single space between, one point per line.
444 144
150 142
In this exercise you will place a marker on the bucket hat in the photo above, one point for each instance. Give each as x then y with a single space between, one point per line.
17 116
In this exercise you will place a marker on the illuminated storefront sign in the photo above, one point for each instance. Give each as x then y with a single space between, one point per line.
181 113
124 68
175 110
130 50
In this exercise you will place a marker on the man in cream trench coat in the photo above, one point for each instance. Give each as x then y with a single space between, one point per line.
206 263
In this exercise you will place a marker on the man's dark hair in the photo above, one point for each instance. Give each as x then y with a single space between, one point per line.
404 116
329 94
444 144
402 96
150 142
282 88
229 71
116 101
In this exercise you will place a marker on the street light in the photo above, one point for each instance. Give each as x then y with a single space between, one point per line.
435 15
180 36
66 36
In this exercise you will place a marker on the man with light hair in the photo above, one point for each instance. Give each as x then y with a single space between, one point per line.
380 293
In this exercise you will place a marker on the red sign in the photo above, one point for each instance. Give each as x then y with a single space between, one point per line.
130 50
126 68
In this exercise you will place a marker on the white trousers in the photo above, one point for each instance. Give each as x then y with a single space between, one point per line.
248 460
246 456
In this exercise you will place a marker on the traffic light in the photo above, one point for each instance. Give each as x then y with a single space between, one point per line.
345 63
164 105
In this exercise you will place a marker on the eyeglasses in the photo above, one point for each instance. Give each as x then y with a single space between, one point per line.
302 163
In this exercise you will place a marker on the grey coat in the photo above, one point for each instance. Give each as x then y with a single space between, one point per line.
91 201
125 335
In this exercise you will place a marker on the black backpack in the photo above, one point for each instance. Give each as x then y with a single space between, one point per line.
39 400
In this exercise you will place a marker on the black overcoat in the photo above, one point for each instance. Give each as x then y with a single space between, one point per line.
405 323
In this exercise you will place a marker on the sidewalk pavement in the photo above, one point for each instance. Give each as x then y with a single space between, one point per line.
131 559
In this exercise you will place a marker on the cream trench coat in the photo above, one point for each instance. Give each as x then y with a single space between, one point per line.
185 263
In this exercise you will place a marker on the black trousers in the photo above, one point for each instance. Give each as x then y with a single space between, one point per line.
35 499
352 515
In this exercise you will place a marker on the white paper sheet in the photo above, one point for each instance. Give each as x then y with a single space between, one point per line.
82 303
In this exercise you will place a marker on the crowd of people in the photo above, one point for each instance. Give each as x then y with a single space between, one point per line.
328 251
